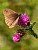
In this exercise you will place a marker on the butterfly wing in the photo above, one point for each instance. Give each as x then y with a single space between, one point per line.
14 23
11 17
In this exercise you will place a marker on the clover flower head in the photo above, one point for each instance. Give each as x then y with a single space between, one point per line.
16 37
23 20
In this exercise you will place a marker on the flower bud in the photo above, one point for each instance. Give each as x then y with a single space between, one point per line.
16 37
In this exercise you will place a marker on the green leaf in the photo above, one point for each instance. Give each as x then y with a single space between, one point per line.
35 28
34 18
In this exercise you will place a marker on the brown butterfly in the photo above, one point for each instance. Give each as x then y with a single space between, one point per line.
11 17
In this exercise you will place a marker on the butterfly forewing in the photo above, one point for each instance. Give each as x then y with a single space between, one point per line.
11 17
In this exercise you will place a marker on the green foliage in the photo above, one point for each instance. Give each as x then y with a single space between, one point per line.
27 42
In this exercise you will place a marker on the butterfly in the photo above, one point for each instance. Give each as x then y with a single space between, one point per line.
11 17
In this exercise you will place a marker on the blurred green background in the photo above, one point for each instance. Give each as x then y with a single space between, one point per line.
28 42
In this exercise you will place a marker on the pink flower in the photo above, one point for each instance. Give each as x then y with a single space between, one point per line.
23 20
16 37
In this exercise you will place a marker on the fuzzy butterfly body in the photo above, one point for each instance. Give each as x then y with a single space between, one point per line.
11 17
